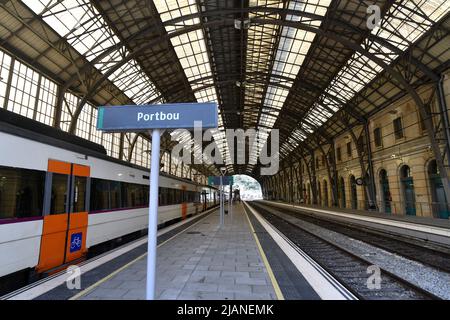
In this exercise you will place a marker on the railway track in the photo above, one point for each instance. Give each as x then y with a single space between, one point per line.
349 269
388 242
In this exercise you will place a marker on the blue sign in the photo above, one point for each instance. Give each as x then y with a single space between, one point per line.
159 116
76 240
215 181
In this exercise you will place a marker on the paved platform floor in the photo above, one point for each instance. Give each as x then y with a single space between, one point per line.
204 262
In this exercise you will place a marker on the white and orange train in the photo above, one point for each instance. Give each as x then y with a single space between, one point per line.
61 195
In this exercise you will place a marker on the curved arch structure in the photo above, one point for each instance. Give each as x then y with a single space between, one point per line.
312 71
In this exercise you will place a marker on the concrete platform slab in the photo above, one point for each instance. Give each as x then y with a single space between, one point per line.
205 261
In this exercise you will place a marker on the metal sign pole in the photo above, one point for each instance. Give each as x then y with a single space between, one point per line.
229 200
139 118
221 202
153 215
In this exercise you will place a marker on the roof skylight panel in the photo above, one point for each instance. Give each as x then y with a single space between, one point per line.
206 95
80 23
192 54
314 118
133 81
260 38
330 103
293 46
406 21
403 26
320 112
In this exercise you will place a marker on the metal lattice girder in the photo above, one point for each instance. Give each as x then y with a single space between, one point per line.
350 44
345 71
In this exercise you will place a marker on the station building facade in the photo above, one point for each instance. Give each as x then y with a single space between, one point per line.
406 176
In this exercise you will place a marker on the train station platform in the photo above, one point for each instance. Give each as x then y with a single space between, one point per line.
198 259
205 261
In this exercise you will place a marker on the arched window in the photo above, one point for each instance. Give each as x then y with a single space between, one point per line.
409 197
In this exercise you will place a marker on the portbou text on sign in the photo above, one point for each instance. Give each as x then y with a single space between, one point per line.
162 116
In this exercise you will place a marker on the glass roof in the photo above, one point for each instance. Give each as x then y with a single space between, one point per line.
192 53
404 25
292 48
272 51
80 23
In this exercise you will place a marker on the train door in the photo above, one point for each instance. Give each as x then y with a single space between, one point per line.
65 214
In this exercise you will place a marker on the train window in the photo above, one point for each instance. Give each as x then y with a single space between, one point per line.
79 196
162 196
140 193
21 192
131 195
99 194
174 196
135 195
114 194
58 202
169 196
145 194
124 194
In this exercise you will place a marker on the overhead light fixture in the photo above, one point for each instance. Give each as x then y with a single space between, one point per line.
241 84
241 24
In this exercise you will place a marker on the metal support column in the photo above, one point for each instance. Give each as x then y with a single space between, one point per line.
153 216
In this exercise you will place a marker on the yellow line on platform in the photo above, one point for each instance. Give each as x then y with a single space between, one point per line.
93 286
109 276
266 262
